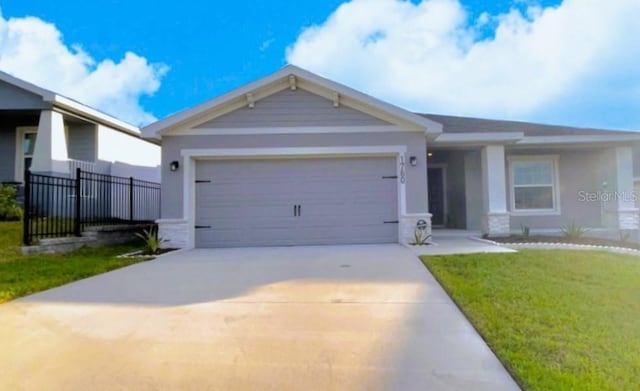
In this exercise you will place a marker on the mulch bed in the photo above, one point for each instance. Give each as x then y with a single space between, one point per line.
565 240
159 252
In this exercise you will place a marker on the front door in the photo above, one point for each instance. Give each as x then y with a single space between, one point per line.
435 178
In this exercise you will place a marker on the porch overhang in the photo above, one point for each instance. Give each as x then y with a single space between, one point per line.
477 139
518 139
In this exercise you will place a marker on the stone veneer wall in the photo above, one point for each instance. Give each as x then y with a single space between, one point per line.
628 219
175 232
496 224
91 237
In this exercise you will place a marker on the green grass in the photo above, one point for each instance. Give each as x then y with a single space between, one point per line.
559 320
22 275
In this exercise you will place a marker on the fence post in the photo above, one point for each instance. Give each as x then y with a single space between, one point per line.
131 199
26 217
77 228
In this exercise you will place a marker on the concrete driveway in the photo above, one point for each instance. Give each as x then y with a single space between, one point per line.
299 318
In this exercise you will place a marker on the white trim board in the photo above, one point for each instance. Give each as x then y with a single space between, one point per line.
191 156
478 138
287 130
588 139
293 152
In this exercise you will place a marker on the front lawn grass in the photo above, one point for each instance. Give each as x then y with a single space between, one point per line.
22 275
558 320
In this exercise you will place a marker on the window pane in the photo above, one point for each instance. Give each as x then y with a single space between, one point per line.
538 172
540 197
28 143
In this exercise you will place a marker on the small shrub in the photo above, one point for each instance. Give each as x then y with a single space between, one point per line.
420 238
151 239
573 231
525 230
625 236
10 210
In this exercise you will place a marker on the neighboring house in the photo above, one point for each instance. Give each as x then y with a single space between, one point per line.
294 158
48 133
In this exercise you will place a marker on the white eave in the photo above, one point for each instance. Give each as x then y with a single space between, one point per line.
518 139
293 76
580 139
475 139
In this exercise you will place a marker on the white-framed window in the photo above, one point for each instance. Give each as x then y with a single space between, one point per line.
534 184
25 146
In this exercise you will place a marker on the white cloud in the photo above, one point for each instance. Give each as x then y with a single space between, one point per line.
561 63
33 50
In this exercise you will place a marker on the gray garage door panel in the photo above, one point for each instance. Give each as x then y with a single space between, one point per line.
251 202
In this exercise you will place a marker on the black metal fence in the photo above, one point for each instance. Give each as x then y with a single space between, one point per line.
58 207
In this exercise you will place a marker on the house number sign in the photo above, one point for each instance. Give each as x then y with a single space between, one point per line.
402 176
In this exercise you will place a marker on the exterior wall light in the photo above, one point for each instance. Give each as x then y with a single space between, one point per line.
174 165
413 161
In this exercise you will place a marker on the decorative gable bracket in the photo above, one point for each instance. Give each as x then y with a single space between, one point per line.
336 99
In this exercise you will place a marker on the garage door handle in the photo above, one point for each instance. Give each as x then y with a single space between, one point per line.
299 210
202 226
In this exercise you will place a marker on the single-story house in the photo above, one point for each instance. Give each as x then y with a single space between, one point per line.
48 133
296 159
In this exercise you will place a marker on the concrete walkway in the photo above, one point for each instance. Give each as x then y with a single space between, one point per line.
458 245
308 318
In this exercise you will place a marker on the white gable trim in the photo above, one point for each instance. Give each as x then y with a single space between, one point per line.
287 130
279 81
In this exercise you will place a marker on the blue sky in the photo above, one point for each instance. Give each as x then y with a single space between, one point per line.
184 53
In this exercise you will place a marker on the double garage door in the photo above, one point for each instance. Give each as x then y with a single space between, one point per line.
282 202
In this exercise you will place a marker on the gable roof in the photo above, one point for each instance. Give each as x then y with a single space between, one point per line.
156 129
70 105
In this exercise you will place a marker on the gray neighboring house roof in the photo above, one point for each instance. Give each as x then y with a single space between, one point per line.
54 99
453 124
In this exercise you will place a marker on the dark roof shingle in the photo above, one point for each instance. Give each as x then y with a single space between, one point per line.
452 124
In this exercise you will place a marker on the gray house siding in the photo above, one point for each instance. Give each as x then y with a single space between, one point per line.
578 170
15 98
7 154
172 182
82 142
293 108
